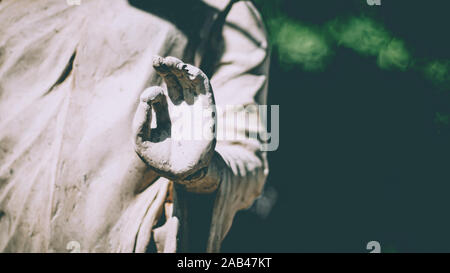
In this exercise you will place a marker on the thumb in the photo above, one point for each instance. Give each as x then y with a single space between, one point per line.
143 117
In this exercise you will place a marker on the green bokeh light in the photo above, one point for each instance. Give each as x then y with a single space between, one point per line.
394 56
311 47
360 34
300 44
438 72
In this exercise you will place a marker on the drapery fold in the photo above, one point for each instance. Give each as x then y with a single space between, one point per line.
70 79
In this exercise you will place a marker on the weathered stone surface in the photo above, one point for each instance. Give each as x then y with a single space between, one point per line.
74 168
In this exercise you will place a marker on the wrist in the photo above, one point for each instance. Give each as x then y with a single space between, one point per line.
208 179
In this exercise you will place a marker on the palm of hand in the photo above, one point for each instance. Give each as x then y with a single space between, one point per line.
183 140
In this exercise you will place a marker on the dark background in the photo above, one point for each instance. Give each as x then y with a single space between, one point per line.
361 156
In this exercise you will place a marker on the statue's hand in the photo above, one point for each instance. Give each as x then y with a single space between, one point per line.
180 144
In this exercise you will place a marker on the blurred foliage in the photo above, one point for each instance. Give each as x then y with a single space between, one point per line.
299 44
366 37
394 55
438 73
361 34
311 46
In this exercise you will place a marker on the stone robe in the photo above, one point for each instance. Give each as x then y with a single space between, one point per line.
70 81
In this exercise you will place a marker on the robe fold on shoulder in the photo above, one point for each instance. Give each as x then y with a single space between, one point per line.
70 81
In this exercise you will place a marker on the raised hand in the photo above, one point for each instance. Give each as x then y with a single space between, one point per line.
181 142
